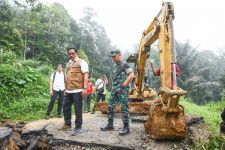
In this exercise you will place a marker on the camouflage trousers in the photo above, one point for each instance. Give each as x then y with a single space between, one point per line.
121 97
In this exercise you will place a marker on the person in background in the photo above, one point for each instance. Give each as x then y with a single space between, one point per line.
87 98
156 72
57 87
122 77
76 81
101 84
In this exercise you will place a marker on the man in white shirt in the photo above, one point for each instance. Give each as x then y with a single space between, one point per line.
101 84
57 87
76 81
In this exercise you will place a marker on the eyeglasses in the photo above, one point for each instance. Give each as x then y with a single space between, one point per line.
71 53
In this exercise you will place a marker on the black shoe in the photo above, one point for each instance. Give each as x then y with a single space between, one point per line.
47 117
93 112
124 131
108 127
76 132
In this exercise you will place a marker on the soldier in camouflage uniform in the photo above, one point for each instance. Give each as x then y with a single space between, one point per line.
122 76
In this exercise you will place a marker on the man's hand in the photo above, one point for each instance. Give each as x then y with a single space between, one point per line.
119 88
151 61
51 92
84 92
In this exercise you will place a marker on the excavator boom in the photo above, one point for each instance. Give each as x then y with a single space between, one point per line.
166 117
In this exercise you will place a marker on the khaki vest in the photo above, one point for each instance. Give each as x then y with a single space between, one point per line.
74 76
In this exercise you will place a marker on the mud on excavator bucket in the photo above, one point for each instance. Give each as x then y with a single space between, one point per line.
166 118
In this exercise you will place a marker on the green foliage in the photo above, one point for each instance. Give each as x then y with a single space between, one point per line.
10 37
41 68
30 108
6 14
215 142
44 69
47 32
30 63
7 57
20 82
199 73
82 55
93 80
210 111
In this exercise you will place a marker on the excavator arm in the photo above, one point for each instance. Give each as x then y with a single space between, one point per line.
159 29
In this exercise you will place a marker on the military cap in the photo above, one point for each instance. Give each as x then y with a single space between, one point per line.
114 52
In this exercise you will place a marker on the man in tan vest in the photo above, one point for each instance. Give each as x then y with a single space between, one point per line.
76 81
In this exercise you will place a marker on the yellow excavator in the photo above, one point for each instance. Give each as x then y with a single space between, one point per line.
166 119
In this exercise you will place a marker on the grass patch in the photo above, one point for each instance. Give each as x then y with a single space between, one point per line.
27 109
211 112
31 108
215 142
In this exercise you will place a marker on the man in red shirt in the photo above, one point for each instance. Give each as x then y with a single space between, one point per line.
87 99
156 72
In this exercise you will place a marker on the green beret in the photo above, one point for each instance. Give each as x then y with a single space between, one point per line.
114 52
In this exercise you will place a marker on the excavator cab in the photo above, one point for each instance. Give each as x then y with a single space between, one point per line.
146 92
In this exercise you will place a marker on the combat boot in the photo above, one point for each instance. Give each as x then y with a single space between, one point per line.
108 127
125 130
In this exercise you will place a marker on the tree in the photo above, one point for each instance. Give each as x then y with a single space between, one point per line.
95 43
199 73
10 37
47 32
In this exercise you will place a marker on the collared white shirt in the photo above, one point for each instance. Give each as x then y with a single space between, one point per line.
58 83
84 69
100 83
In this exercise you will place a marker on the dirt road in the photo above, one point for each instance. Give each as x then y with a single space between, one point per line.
92 136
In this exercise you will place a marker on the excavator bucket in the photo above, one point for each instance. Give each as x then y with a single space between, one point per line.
166 119
162 125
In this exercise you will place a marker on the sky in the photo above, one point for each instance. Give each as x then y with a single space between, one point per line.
200 22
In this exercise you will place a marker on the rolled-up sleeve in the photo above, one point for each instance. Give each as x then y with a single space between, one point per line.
128 69
84 66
